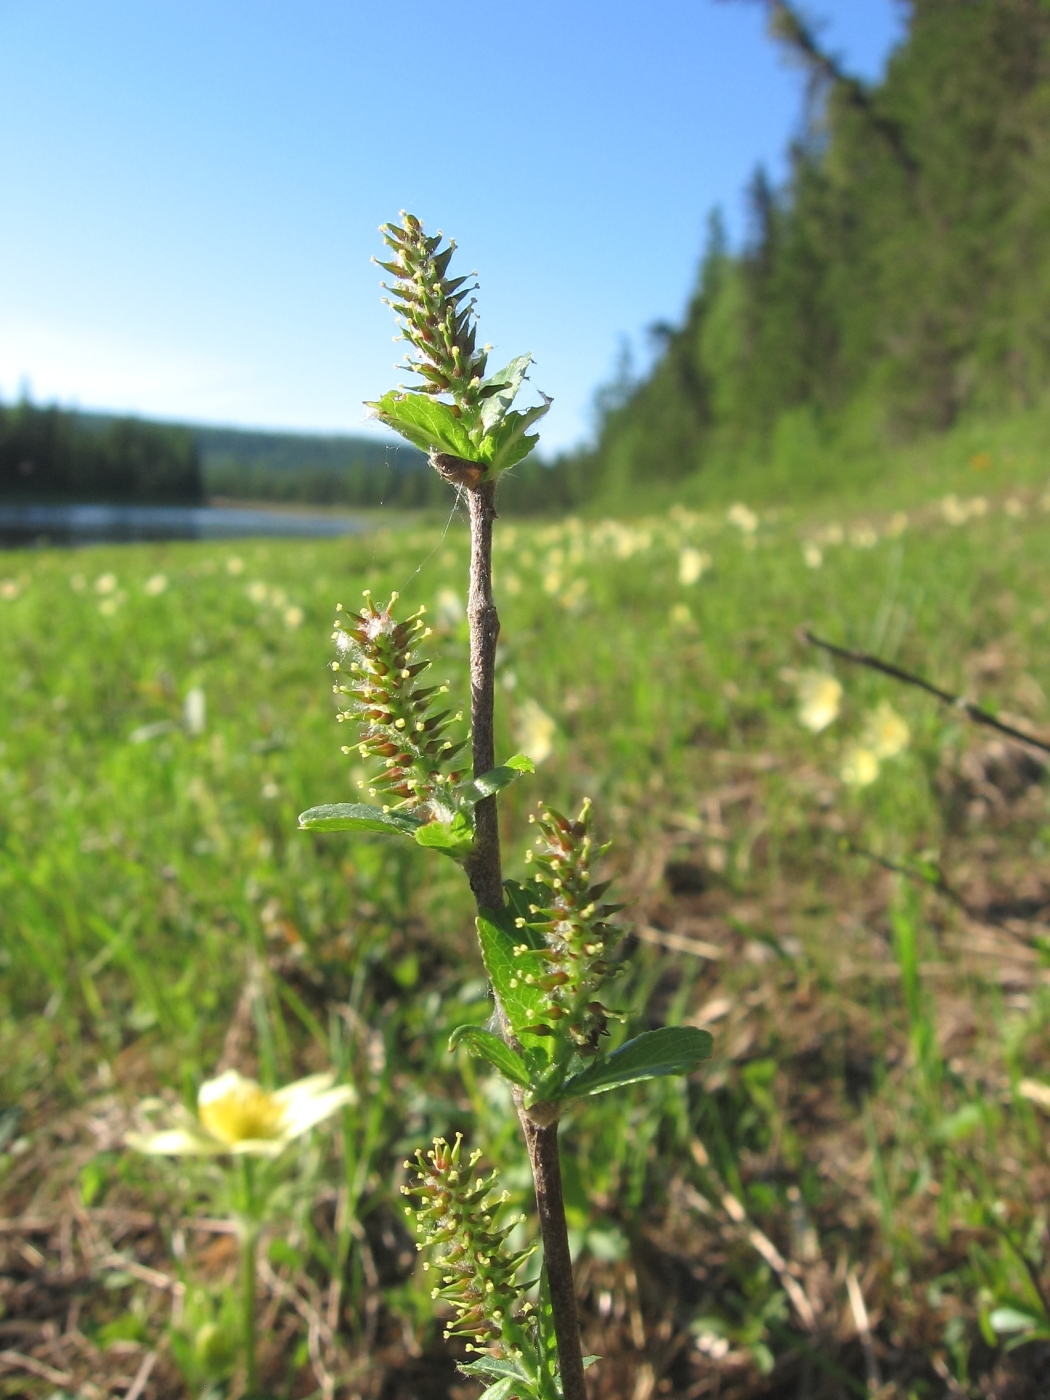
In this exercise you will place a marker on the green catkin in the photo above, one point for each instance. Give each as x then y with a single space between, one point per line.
456 1219
400 724
435 315
567 913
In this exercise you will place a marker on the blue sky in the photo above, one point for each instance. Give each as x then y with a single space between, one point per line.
192 188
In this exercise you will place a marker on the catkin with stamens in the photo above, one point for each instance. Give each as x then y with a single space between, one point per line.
456 1218
401 725
567 912
436 317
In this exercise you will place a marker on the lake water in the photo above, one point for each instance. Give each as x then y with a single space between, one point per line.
72 524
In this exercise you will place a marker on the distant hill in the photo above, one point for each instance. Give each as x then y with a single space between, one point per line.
50 453
308 467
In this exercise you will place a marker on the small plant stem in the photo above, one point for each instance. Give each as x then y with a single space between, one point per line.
249 1239
484 870
542 1143
957 702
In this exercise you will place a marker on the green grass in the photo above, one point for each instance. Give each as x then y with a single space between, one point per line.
158 904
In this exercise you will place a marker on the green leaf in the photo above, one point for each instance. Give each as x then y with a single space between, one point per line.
486 1046
454 838
496 779
506 384
547 1341
495 1366
502 1389
518 899
426 422
522 1004
358 816
1011 1320
670 1050
507 444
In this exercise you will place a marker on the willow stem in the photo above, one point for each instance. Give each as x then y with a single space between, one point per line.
542 1143
484 870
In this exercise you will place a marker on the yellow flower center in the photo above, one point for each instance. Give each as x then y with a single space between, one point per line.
243 1113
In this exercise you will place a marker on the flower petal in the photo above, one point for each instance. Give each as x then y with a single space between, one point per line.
306 1110
177 1142
258 1147
309 1087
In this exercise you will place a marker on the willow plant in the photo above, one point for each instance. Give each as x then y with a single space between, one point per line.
548 945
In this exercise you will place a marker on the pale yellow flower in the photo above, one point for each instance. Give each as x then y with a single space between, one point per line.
744 519
692 563
861 766
953 510
195 711
534 731
105 583
680 615
155 585
449 608
234 565
571 598
886 734
293 617
813 555
819 697
9 590
236 1115
1035 1091
957 512
257 592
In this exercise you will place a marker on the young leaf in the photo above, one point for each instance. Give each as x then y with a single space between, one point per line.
522 1004
503 389
486 1046
507 444
427 423
358 816
496 779
454 838
670 1050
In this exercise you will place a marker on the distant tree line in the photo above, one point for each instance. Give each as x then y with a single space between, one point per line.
899 279
344 470
53 454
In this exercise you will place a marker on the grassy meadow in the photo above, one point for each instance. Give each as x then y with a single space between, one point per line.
849 1200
